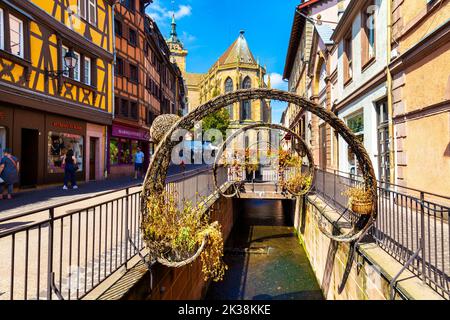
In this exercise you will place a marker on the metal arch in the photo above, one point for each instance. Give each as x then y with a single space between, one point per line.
157 172
268 126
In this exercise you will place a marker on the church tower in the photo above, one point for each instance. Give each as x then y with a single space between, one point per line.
178 53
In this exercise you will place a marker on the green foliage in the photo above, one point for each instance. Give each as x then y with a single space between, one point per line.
219 120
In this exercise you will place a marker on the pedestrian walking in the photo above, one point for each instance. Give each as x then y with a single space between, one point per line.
138 162
9 172
69 162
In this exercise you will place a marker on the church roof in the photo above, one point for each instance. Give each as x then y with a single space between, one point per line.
238 50
193 78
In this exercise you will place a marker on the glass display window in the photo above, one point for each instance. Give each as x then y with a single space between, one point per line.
58 145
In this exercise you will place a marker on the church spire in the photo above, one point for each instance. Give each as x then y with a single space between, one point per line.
173 33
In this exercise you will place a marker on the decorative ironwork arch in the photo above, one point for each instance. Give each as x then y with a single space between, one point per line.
157 172
303 145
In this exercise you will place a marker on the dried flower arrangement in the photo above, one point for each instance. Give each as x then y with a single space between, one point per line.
177 237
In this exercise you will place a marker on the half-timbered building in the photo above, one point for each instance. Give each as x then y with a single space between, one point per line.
47 108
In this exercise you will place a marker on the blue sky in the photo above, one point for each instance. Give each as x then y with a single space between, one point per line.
208 27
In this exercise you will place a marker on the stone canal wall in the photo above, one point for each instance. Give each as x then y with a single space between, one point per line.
371 270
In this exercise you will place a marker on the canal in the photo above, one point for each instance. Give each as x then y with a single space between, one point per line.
264 257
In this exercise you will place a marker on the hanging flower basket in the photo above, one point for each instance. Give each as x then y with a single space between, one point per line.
299 183
177 237
360 200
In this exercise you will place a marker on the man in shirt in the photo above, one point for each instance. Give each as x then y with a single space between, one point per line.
138 162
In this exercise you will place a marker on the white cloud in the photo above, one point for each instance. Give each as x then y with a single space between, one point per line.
187 37
162 15
276 81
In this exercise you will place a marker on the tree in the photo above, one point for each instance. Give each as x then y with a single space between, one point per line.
219 120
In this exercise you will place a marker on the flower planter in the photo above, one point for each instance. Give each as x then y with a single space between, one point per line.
361 207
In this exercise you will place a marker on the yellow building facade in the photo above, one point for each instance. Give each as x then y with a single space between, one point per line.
45 107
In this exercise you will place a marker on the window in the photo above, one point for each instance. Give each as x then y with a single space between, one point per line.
129 4
58 145
132 37
87 9
133 73
384 165
2 38
64 50
87 71
82 8
124 108
92 11
348 58
119 67
229 88
118 27
16 35
76 70
356 124
134 110
368 34
247 104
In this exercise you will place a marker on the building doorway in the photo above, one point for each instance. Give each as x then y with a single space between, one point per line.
93 148
29 158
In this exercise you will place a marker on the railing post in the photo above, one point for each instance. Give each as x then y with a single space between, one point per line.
127 235
422 231
334 187
50 253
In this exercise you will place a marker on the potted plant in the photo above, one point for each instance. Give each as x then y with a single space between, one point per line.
299 183
359 200
177 236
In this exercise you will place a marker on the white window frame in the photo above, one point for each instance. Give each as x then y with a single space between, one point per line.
76 70
2 30
91 3
87 71
21 37
64 49
80 13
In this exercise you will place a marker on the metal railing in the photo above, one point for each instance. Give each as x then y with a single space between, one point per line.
67 250
412 225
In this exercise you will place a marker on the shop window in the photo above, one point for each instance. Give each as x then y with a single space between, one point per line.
16 35
124 151
2 140
58 145
114 151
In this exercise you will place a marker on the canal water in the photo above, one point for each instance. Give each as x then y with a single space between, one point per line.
265 260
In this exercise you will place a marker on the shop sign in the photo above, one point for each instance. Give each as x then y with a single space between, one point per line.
130 133
66 125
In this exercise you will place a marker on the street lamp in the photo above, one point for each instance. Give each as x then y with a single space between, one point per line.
70 61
